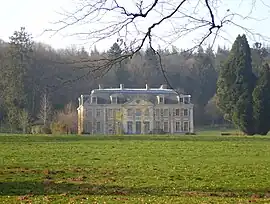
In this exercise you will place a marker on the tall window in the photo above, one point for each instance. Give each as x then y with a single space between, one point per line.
98 127
166 126
186 126
90 113
98 112
161 99
157 124
110 113
166 112
146 126
185 112
177 126
129 127
177 112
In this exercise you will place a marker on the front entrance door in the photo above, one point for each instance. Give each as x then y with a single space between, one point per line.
138 127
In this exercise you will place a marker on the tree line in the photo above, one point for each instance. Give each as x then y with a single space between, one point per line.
40 83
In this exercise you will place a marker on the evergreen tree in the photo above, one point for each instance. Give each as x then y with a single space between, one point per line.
261 100
16 80
235 86
120 68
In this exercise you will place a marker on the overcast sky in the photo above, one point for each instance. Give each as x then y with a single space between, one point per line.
38 15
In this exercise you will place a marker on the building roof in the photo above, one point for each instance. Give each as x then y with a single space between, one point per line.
126 94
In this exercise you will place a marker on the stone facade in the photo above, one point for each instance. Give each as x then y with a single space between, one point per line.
134 111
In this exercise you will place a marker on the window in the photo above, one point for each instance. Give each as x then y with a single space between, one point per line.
186 126
177 112
129 127
181 100
138 112
98 112
185 112
146 126
110 113
98 127
166 112
166 126
177 126
161 99
94 100
157 124
129 112
88 113
114 100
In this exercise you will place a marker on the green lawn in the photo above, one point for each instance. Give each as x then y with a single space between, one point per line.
134 169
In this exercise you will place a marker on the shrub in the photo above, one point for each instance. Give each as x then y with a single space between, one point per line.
58 128
40 129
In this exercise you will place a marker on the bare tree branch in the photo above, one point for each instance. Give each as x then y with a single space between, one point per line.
140 23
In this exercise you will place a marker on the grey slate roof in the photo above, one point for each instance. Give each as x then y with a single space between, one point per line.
127 94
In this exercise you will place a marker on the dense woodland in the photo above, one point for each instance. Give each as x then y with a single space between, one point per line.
41 84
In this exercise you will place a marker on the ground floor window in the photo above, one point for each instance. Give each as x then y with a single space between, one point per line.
166 126
157 125
146 126
98 127
177 126
186 126
129 127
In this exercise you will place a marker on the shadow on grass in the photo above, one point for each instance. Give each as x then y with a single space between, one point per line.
51 188
77 138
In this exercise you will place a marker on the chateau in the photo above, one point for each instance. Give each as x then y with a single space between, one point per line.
134 111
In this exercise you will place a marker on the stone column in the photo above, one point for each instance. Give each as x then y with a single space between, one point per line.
191 122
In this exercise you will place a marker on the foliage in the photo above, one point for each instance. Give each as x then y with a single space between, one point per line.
235 86
24 122
134 169
40 129
28 68
68 118
261 100
58 128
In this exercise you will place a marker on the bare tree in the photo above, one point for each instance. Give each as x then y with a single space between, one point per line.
68 117
45 109
137 23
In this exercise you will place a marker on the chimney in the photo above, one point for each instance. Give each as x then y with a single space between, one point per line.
121 86
163 86
146 86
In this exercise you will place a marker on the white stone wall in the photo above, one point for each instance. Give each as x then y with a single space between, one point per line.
93 115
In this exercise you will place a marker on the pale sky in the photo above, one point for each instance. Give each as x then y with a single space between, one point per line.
38 15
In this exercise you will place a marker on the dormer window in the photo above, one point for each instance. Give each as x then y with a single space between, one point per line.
181 100
160 99
113 100
187 100
94 100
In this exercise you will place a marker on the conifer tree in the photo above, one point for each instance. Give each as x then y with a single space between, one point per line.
261 100
235 86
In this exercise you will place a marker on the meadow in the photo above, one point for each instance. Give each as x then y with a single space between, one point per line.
206 168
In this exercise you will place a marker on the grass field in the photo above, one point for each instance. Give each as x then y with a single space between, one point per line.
134 169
